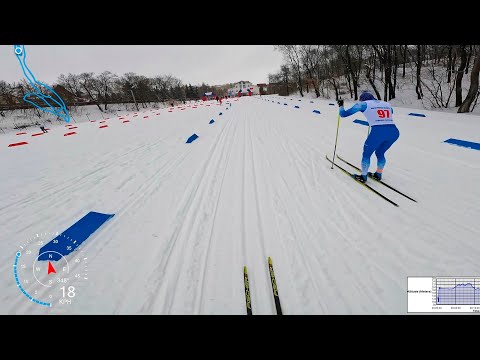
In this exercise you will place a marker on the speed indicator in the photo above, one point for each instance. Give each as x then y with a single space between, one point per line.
46 274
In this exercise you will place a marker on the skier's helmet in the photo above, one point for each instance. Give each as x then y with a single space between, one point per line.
366 95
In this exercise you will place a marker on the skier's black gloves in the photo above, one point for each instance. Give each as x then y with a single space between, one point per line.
340 102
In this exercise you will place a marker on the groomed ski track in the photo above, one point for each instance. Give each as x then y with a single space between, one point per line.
254 184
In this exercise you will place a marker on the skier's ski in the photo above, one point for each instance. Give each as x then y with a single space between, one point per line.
274 287
247 291
370 175
368 187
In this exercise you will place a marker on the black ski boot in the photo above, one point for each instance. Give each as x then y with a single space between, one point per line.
377 176
361 178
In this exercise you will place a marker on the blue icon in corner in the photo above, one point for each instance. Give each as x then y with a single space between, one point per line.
51 103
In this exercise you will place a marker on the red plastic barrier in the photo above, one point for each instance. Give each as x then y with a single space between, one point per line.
70 133
135 115
169 110
93 120
38 134
145 117
194 107
18 144
21 133
73 127
107 118
157 114
101 122
103 126
126 121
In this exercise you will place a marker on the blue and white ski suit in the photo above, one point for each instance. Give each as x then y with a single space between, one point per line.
383 132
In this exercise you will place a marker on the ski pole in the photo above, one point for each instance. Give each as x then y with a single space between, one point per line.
336 138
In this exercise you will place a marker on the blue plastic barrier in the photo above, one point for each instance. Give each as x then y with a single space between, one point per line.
297 107
211 121
416 114
331 104
316 111
463 143
192 138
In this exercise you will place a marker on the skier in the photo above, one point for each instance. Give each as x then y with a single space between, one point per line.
383 132
43 129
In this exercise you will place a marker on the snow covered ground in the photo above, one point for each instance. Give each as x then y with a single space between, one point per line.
254 184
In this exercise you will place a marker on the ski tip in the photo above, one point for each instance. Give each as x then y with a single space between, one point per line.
244 269
270 260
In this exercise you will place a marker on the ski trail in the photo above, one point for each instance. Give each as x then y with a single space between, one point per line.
209 249
186 222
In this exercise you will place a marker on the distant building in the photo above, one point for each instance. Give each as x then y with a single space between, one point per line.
262 89
243 88
210 95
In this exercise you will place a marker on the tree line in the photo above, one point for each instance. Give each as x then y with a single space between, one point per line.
436 71
108 88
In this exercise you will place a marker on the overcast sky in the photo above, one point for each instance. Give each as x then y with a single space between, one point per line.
212 64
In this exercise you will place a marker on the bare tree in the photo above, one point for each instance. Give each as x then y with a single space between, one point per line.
470 52
72 83
451 63
435 82
370 72
87 81
384 53
292 55
310 59
473 91
418 65
404 59
354 58
285 72
105 83
463 62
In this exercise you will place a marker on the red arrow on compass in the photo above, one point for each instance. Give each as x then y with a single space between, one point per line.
51 269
